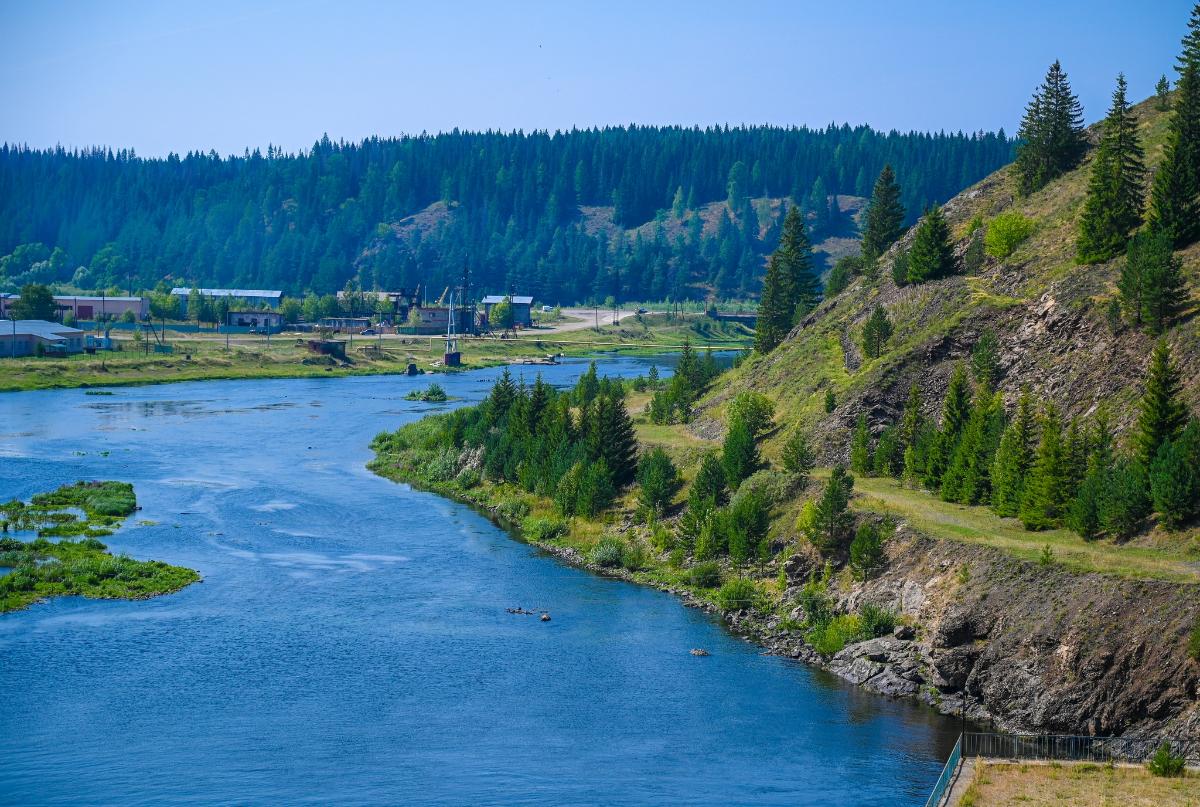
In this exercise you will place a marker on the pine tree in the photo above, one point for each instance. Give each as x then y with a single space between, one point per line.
1161 273
1161 415
710 479
968 479
832 520
739 455
931 255
658 479
612 438
796 262
1161 88
1045 496
774 308
860 447
910 419
1175 196
1013 459
885 216
876 332
1052 131
956 409
797 455
1175 480
1114 202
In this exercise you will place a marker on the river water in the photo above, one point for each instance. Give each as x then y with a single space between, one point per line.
349 643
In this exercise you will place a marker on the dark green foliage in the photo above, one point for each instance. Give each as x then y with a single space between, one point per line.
889 454
746 527
885 216
877 621
985 358
830 400
312 220
1052 131
842 273
754 409
968 477
973 255
797 454
1161 415
610 437
1114 199
673 403
866 550
1175 195
900 268
587 387
876 332
1151 284
1124 501
931 255
833 518
790 288
37 302
706 574
658 479
710 479
738 594
1046 486
1175 478
860 447
1194 642
1165 763
1161 89
739 455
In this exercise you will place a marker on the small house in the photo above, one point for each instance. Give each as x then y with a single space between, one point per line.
522 307
30 337
257 321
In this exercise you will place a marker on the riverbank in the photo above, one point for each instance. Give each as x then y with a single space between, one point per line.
1030 645
200 357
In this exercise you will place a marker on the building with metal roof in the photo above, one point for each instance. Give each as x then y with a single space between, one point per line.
23 337
522 307
270 297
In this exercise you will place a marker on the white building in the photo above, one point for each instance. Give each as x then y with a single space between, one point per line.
23 337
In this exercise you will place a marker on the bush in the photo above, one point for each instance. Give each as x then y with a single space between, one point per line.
753 409
797 455
468 478
658 479
831 637
513 509
1006 232
442 466
1194 642
706 574
537 528
608 552
866 550
877 621
773 487
738 594
633 556
1164 763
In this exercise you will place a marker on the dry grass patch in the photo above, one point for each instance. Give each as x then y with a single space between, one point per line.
1076 785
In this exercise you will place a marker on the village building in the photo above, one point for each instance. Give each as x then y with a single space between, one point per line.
269 298
31 337
522 307
259 321
346 324
87 307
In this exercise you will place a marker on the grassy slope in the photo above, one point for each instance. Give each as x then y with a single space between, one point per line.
1076 785
284 358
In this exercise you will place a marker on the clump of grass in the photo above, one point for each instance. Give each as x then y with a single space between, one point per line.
431 394
538 528
608 552
738 594
1194 642
1165 763
706 574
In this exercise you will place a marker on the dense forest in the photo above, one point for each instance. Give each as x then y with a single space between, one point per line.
568 216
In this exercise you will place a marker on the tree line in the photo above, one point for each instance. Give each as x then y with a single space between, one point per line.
515 208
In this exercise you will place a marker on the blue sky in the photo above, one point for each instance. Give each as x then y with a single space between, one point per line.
163 77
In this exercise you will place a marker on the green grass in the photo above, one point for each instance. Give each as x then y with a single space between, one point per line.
979 525
43 568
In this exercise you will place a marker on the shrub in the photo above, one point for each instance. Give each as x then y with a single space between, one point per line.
658 479
706 574
866 550
442 465
753 409
513 509
797 455
830 401
831 637
737 594
633 556
1164 763
608 552
774 487
1006 232
1194 642
877 621
468 478
537 528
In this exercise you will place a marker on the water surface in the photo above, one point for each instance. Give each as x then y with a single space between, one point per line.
349 643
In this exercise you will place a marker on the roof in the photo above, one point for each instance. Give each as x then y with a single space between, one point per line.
181 291
53 331
97 299
517 299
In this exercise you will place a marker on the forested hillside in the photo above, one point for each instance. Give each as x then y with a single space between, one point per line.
568 217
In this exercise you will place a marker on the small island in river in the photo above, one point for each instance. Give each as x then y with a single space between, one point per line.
42 568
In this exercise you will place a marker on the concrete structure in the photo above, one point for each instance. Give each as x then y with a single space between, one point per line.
258 320
248 296
87 306
521 307
25 336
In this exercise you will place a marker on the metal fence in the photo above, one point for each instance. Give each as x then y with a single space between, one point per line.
1061 747
943 783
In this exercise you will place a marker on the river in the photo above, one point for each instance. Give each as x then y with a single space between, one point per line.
349 642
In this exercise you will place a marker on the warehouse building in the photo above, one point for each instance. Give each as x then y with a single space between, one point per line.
32 337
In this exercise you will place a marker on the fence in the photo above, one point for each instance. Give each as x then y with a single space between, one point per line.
1063 747
947 777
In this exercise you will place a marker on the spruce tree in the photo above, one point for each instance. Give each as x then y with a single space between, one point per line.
910 419
1175 481
1013 459
1161 88
1052 131
968 479
710 479
739 456
931 255
796 262
832 520
1114 200
774 308
860 447
1045 495
1175 195
1163 290
885 216
876 332
1161 415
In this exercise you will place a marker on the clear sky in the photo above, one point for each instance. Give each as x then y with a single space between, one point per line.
175 76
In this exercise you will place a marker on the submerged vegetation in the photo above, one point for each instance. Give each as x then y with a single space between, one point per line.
42 568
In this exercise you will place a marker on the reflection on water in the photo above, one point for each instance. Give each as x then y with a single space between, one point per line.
350 642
